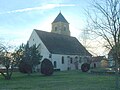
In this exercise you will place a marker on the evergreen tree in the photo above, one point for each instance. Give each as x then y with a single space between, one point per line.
31 58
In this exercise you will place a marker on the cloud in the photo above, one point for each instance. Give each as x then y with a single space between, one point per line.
43 7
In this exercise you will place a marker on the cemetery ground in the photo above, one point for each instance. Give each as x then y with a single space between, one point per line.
64 80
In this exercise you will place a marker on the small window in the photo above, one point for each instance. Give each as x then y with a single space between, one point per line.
94 65
71 61
50 55
33 39
55 64
76 57
80 59
62 60
68 56
55 28
64 28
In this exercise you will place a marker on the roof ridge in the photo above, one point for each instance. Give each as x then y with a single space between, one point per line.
54 33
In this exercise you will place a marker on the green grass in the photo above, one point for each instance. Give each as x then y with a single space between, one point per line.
67 80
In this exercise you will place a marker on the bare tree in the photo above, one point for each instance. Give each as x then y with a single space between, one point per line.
105 22
6 61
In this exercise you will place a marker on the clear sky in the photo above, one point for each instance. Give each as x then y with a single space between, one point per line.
18 18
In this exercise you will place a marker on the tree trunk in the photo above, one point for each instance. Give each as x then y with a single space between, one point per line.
7 73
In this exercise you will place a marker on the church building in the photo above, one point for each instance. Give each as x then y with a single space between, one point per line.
64 51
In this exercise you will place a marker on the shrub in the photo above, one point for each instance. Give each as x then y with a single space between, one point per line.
85 67
24 67
47 67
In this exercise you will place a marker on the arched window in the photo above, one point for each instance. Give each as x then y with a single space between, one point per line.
94 65
55 64
80 59
55 28
50 55
71 60
62 60
64 28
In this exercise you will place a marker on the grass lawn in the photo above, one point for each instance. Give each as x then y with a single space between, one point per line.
67 80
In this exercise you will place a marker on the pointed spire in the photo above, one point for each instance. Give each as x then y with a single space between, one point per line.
60 18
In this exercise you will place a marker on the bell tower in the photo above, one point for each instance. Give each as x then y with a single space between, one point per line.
60 25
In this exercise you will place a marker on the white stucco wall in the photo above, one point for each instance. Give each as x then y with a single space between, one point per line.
58 59
34 39
67 61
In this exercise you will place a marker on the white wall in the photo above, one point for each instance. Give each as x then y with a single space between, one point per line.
58 59
34 39
67 61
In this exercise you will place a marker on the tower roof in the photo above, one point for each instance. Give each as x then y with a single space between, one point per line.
60 18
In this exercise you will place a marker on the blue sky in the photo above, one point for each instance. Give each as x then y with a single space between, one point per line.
18 18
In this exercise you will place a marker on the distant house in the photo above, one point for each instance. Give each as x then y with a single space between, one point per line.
96 62
64 51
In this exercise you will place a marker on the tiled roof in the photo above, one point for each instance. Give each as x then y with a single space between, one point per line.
62 44
60 18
